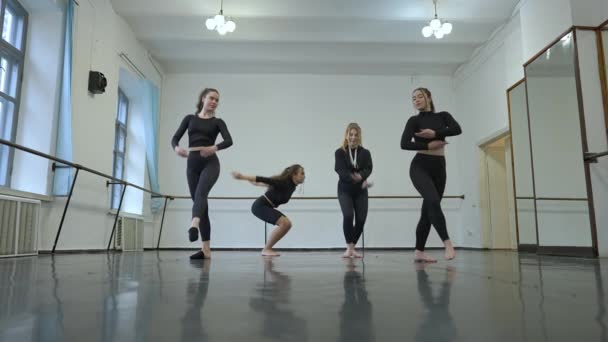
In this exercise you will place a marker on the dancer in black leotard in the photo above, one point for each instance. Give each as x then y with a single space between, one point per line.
427 171
280 189
203 167
354 166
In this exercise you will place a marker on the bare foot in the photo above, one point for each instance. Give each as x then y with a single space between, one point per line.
357 255
347 254
450 253
269 252
207 252
420 256
449 250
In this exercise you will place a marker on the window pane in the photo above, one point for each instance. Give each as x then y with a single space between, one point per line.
7 117
123 108
9 74
120 139
116 193
118 166
6 126
12 31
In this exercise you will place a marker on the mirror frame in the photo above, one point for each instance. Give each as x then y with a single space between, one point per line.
602 66
591 251
529 248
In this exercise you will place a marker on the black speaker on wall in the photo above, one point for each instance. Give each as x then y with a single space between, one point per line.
97 82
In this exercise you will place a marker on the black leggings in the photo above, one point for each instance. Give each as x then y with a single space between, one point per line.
202 173
428 176
354 206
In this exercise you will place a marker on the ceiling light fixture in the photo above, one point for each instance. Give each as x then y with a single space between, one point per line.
436 27
220 23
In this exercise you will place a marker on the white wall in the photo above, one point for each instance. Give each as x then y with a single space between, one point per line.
493 69
39 99
480 90
99 36
475 95
276 120
542 21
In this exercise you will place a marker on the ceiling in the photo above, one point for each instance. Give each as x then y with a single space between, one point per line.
312 36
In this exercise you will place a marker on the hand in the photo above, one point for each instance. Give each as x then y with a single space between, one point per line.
436 144
366 184
426 133
237 175
182 152
208 151
357 177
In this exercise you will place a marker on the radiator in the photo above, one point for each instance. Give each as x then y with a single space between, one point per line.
19 226
129 234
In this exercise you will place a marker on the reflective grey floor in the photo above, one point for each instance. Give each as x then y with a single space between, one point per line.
239 296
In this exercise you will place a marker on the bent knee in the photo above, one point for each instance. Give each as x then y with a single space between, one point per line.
284 223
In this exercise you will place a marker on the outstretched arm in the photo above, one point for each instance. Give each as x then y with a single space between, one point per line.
250 179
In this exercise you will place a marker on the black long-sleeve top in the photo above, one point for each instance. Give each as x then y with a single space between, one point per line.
345 168
280 190
442 123
202 132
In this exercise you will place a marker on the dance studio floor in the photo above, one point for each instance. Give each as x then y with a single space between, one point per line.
302 296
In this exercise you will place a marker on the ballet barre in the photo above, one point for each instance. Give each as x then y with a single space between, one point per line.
316 198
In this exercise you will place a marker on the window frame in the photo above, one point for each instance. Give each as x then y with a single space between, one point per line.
119 127
10 52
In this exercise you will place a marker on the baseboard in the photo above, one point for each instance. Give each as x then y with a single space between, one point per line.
525 248
78 251
328 249
585 252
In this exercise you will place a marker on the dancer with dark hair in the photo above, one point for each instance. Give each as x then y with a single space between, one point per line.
203 168
280 189
428 131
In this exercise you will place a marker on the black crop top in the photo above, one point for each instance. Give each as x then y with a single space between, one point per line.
202 132
280 191
442 123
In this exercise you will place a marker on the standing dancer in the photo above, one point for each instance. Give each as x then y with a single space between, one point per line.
428 170
354 166
203 168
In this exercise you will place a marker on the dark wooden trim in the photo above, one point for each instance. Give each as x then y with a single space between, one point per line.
562 199
585 145
526 248
531 155
601 60
585 252
538 54
585 28
515 85
513 156
603 26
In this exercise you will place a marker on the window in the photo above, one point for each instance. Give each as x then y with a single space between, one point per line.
120 139
12 44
